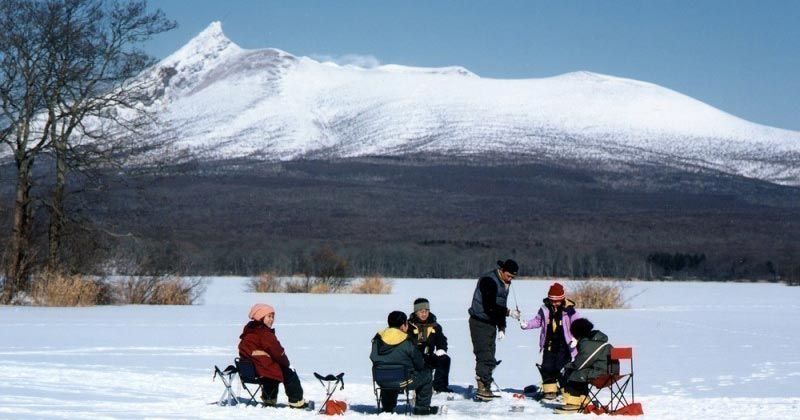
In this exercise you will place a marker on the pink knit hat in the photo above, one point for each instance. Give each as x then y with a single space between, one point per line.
260 310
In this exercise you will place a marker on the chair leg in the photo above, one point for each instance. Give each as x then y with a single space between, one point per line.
227 396
377 393
618 398
253 399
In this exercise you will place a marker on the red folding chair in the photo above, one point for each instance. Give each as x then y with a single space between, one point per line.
619 387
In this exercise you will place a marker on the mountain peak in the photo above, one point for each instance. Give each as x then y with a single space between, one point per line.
211 38
213 29
209 44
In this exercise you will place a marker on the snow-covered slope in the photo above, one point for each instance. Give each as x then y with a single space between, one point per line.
226 101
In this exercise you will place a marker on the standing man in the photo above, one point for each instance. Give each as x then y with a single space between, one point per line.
487 322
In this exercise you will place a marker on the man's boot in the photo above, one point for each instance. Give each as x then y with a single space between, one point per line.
484 391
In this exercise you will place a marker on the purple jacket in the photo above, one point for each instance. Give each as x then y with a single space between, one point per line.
542 319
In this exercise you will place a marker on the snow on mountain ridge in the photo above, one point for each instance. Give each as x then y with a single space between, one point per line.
268 103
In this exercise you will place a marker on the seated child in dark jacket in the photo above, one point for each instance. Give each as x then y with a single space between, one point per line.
393 347
590 363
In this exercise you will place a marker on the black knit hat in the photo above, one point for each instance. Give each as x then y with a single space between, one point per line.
581 328
508 265
396 319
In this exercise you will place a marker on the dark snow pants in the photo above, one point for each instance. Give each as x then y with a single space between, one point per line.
441 374
576 388
552 363
421 384
483 345
291 384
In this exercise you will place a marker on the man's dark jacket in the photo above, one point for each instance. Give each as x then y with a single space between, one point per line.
489 301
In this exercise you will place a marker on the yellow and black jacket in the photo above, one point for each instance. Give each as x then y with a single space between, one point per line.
428 335
393 347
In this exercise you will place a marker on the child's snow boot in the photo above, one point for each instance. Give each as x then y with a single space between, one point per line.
572 404
550 391
299 404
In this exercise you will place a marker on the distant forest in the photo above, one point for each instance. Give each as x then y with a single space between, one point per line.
434 218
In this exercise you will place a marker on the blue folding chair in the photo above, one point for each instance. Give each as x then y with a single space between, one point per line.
393 379
247 374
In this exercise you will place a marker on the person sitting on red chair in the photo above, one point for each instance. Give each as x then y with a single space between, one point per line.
260 345
590 363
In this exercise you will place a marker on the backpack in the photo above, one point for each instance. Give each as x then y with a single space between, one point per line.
334 407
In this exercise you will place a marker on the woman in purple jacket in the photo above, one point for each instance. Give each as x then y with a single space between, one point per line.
555 340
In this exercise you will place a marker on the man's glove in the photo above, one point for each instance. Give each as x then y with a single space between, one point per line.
440 353
514 313
501 335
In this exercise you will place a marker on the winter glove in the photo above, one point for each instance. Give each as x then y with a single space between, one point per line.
514 313
501 335
440 353
523 323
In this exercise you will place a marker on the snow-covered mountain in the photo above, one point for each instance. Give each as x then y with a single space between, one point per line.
229 102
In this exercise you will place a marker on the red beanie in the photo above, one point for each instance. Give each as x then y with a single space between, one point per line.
556 292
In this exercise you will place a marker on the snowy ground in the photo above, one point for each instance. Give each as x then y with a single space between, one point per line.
701 350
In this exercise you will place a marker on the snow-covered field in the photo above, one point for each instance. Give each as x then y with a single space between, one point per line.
701 350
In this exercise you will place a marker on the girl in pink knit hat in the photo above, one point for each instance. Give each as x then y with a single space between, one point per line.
555 340
260 345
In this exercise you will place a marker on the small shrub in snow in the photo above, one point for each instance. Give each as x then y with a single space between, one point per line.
297 287
594 294
374 285
321 289
159 290
325 266
265 283
175 290
51 289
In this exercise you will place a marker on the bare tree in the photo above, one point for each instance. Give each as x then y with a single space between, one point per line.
67 70
23 80
96 106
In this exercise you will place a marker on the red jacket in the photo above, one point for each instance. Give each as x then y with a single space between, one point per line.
260 345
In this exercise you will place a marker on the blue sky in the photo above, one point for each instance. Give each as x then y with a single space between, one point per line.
740 56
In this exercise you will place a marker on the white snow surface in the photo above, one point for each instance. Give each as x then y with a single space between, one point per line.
226 102
701 350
